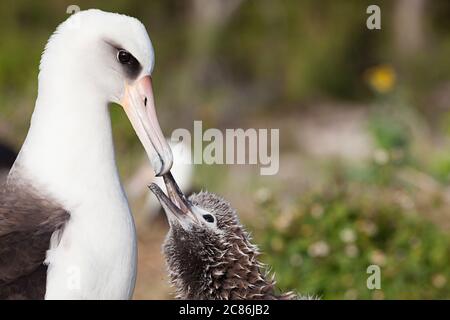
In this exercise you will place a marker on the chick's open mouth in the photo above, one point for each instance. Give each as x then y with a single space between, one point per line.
175 202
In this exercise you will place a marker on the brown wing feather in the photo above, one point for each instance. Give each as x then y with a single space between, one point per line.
27 222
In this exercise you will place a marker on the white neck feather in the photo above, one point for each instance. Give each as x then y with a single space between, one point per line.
69 155
69 149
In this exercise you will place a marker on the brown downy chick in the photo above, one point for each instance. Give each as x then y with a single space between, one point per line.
208 252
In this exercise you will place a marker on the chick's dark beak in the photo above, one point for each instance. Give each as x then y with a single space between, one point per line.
175 204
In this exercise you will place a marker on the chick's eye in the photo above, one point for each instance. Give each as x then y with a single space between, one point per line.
209 218
124 57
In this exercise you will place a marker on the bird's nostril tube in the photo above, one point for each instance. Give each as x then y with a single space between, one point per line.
145 101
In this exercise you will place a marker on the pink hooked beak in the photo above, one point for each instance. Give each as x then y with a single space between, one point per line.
139 105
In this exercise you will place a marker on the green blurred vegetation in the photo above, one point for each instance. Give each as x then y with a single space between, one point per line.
377 213
326 244
270 63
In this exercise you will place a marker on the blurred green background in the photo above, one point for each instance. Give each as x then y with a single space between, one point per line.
364 119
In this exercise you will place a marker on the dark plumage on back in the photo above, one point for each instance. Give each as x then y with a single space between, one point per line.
7 157
27 222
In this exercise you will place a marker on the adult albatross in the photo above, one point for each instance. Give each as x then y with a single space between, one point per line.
66 231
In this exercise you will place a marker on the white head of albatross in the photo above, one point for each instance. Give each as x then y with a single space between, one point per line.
68 154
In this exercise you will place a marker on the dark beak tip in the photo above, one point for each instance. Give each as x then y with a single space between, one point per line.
153 187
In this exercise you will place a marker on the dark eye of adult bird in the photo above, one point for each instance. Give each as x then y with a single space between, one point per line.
39 214
209 218
124 57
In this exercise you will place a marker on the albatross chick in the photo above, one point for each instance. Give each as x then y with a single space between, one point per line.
208 252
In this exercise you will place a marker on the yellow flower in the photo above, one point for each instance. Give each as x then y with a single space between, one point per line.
381 78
